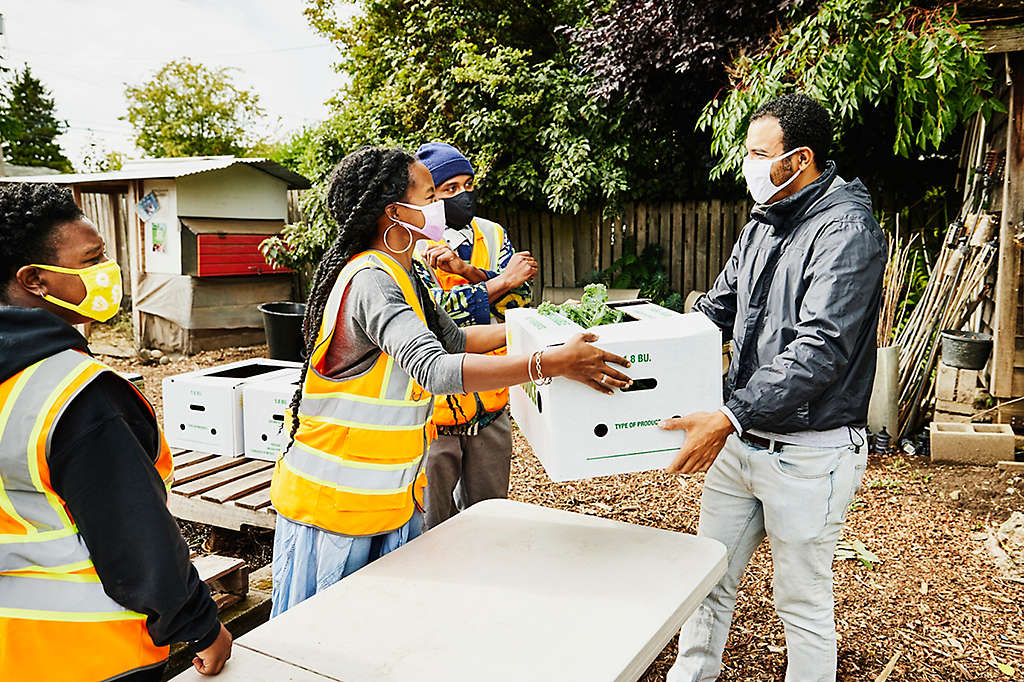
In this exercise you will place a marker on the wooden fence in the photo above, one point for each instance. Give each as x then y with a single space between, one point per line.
109 213
697 238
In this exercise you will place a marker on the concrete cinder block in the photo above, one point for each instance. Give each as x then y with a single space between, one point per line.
966 443
953 408
958 385
955 417
945 382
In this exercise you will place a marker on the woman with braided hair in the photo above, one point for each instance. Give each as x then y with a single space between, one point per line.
348 487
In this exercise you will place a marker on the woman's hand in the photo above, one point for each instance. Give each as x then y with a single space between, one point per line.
587 364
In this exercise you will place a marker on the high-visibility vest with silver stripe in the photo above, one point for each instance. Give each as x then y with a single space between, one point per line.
356 465
56 620
488 237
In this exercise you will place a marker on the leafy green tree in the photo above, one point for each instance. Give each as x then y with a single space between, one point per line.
922 69
187 109
31 127
493 77
99 159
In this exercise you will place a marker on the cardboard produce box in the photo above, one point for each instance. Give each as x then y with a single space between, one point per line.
577 432
203 409
263 413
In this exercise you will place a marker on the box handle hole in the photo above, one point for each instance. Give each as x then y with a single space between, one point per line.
640 385
197 408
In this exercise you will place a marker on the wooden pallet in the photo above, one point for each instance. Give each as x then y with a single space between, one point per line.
227 578
227 492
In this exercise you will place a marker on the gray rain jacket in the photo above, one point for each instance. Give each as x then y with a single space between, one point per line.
799 298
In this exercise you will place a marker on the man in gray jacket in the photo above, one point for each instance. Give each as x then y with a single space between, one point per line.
799 298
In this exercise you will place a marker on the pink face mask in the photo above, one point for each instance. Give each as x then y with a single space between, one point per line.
433 220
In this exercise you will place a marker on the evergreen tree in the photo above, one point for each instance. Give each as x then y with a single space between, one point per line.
30 125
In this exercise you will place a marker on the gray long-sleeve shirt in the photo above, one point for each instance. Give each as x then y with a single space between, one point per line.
374 315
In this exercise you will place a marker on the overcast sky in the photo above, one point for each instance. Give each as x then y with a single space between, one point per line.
84 51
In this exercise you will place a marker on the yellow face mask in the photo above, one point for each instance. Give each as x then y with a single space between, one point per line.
102 290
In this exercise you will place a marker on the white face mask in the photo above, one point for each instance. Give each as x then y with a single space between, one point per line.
433 220
758 173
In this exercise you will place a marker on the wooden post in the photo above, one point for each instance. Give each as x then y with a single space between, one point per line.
715 237
676 259
641 227
701 253
690 250
607 228
1008 279
136 259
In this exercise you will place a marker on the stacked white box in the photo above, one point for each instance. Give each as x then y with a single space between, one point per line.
577 432
203 409
263 414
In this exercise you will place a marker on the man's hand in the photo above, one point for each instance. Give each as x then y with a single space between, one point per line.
706 433
441 256
521 268
210 661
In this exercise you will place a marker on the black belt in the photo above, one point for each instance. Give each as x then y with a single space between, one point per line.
769 445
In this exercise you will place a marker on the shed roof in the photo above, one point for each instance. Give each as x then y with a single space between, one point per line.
147 169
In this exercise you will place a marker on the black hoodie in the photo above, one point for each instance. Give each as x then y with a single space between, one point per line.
101 464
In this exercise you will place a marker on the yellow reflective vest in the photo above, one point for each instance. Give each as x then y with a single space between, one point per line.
487 240
356 466
56 621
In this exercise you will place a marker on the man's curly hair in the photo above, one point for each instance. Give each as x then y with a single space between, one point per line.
359 189
804 122
29 213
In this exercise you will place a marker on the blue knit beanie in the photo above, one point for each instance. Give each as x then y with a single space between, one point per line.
443 161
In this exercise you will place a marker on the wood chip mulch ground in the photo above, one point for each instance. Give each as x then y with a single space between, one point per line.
935 599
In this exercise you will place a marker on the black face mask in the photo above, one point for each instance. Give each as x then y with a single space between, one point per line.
460 209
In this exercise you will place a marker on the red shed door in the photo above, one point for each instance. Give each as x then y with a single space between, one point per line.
232 254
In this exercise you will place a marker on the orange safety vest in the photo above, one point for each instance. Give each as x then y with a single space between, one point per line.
56 622
487 239
356 466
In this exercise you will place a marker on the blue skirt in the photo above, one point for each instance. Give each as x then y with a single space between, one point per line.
308 560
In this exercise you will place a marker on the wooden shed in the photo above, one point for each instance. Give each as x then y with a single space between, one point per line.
1005 133
186 233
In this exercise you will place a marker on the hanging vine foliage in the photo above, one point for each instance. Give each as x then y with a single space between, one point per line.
925 65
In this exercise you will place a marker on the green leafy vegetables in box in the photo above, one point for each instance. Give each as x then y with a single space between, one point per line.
591 311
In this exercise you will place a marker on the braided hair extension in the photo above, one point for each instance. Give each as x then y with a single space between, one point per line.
359 188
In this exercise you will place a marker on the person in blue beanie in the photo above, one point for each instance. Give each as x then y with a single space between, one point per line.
475 274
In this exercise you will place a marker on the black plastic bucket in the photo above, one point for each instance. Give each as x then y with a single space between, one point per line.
282 321
966 350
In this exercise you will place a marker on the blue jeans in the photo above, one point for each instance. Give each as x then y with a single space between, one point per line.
798 499
308 560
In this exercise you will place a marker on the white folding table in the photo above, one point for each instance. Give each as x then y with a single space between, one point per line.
505 591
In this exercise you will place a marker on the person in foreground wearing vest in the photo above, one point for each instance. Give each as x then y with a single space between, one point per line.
348 487
95 578
474 274
799 298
